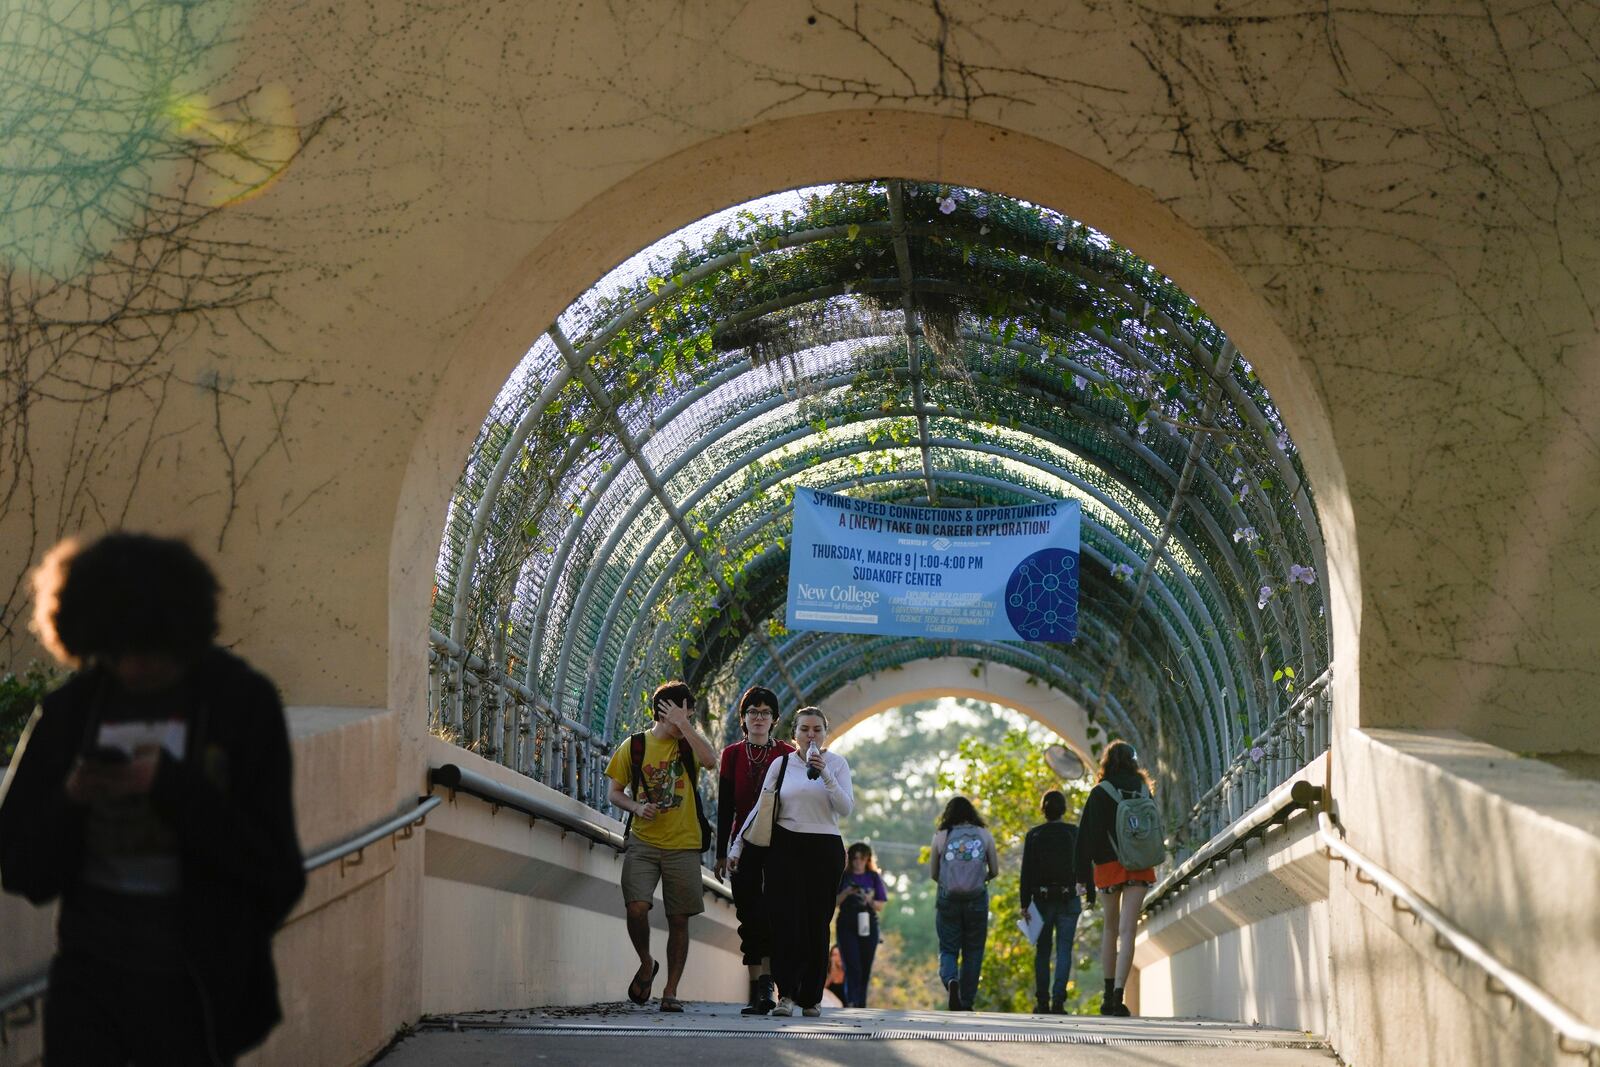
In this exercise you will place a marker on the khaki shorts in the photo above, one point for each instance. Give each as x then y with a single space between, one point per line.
677 869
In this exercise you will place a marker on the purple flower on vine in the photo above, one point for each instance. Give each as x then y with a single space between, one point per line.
1297 573
947 205
1247 534
1265 595
1121 572
1283 440
1257 754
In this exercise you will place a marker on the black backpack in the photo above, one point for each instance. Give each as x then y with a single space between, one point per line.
685 757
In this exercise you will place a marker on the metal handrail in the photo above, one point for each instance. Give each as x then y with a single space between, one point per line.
449 776
403 821
1584 1039
30 989
1282 802
1241 764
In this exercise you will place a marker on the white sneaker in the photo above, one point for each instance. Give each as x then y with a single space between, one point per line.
785 1007
811 1013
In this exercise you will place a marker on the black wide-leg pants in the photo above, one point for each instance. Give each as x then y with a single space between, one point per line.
751 904
803 872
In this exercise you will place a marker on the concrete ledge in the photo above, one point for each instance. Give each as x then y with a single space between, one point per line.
1246 941
1284 872
1509 849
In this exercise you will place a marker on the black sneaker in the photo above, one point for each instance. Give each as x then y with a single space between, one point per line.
1041 1008
955 994
1119 1009
761 996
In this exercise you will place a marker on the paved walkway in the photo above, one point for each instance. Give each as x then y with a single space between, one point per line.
715 1034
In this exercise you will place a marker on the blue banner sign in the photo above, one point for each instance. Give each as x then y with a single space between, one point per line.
997 574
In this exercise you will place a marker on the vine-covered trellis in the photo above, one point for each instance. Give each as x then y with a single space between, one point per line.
624 514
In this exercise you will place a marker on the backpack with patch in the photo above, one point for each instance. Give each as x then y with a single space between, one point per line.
1137 835
964 862
685 757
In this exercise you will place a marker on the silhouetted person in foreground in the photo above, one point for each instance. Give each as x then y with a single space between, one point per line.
151 795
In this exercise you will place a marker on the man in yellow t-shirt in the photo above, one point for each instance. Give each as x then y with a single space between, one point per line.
664 837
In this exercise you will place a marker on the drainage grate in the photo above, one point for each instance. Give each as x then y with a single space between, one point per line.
801 1033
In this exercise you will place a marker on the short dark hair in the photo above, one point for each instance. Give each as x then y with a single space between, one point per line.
676 691
126 592
960 812
1053 804
756 695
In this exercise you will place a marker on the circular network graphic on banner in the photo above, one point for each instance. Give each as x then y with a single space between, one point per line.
1042 596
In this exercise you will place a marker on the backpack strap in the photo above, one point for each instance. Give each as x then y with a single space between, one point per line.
692 769
636 773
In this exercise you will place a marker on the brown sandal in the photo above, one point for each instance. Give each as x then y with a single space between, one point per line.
642 996
671 1004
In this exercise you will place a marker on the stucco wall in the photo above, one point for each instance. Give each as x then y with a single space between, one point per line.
1390 210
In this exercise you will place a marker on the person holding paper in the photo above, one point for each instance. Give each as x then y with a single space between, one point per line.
1050 903
151 795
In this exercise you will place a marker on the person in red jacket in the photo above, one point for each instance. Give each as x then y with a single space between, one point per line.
151 796
744 768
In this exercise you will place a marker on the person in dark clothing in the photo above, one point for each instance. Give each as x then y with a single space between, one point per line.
862 896
743 769
1097 864
151 795
1050 889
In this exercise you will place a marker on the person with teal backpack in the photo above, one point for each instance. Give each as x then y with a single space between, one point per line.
1120 843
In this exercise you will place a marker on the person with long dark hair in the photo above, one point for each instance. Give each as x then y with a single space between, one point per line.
963 862
151 795
811 788
1122 890
862 896
743 769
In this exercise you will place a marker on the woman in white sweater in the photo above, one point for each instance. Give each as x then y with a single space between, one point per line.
805 861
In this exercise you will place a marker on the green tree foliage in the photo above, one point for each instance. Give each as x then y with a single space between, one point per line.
20 693
1005 778
902 782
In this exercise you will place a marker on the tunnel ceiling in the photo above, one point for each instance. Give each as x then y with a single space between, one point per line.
625 511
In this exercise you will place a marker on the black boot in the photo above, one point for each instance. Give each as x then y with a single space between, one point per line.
1120 1009
1040 1006
955 994
1108 1003
1058 1007
761 1000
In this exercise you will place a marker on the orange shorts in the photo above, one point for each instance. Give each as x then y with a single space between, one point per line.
1114 875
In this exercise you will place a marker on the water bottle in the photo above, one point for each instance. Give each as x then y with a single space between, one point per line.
812 773
864 923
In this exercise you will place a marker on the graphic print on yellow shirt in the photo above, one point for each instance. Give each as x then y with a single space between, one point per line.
666 785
